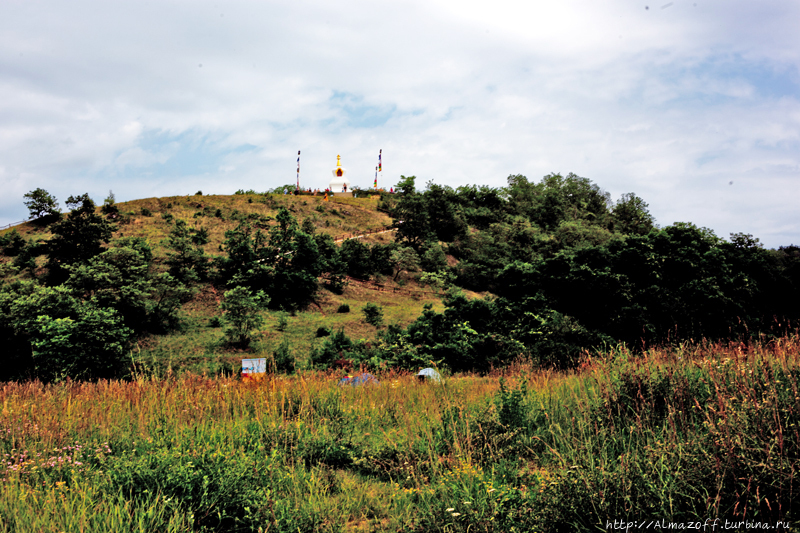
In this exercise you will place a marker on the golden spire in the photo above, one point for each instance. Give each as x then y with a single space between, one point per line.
338 161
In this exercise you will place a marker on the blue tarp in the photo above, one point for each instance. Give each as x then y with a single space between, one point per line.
361 379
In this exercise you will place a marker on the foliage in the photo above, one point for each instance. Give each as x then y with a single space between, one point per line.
433 215
285 263
188 262
42 205
697 433
283 321
405 185
242 314
67 337
13 243
76 239
336 347
91 345
404 259
343 308
373 314
120 278
283 358
109 207
356 256
630 215
512 405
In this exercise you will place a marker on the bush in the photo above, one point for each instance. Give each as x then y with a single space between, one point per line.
336 347
13 243
283 321
284 358
373 314
147 213
242 314
323 332
343 308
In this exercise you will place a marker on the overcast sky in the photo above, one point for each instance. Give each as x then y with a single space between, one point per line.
692 105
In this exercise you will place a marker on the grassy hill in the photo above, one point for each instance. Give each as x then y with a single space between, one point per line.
197 345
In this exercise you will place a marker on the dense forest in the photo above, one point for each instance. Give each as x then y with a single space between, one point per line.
564 269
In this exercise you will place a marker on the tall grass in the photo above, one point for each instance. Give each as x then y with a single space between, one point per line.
700 431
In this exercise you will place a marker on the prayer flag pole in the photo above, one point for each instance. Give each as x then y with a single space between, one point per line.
379 169
298 170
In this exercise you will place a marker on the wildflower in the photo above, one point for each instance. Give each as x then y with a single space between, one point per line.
456 514
449 510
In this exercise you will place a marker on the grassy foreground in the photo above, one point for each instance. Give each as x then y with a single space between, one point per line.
694 433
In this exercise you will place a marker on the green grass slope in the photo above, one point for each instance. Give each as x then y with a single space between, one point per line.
197 346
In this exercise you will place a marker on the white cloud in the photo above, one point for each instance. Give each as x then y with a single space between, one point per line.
670 103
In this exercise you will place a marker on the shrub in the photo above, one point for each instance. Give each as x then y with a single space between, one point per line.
13 243
336 347
323 331
284 358
373 314
242 314
283 321
147 213
343 308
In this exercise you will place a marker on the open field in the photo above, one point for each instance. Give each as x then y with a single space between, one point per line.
700 431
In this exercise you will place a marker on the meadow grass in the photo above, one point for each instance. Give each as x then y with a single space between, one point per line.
199 346
697 432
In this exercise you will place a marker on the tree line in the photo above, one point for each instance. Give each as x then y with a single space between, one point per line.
565 268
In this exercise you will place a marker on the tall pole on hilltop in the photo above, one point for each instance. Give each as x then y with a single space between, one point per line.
376 177
380 169
298 170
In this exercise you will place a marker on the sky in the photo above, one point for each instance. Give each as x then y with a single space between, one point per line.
692 105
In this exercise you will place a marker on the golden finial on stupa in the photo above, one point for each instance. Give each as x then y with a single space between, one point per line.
338 161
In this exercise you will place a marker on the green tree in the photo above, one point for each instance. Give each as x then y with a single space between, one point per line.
91 345
285 263
405 185
557 198
242 314
62 335
404 259
356 256
13 243
373 314
189 262
77 238
109 207
42 205
630 215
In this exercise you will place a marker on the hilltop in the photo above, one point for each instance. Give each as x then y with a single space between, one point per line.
197 344
469 279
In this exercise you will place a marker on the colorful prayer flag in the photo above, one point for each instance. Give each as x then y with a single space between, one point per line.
379 159
298 169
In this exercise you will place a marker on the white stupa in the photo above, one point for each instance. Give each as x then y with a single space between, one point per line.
339 177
